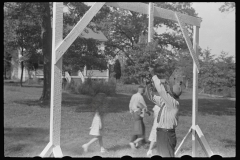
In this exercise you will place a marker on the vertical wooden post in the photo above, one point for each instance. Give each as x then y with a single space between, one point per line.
150 21
56 85
195 91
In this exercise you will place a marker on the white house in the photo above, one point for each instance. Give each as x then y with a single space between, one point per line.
16 66
92 74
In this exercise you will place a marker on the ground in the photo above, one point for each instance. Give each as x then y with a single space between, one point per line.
26 124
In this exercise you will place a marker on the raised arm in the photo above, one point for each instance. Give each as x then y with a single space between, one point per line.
160 88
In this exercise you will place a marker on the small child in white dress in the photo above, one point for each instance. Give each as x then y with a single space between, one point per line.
153 134
96 128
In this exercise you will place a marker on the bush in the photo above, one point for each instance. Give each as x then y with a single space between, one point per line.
127 80
72 86
90 87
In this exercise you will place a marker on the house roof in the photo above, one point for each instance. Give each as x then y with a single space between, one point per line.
89 33
94 35
97 73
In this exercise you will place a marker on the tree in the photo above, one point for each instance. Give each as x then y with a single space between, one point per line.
185 62
117 69
37 15
217 75
123 29
207 75
83 51
227 7
23 35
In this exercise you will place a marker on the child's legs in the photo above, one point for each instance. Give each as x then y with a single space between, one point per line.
100 141
92 141
140 137
134 137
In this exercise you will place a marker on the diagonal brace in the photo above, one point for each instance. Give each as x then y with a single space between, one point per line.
69 39
189 44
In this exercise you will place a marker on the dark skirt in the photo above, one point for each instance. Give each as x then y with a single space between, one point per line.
138 125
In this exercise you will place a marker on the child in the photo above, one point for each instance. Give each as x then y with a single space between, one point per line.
152 136
97 123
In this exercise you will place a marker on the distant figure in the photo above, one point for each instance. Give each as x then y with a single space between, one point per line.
97 126
138 108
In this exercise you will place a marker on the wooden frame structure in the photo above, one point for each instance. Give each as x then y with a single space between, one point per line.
59 47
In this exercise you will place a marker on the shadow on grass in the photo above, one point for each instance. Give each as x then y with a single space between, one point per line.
24 84
33 103
208 106
19 139
120 103
118 147
229 143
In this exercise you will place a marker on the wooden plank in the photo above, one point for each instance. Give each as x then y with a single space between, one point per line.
56 83
194 145
57 152
203 142
77 30
158 12
184 139
195 92
47 150
189 44
56 76
150 22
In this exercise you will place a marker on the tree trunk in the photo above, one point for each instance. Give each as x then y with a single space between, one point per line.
22 67
5 73
47 51
187 84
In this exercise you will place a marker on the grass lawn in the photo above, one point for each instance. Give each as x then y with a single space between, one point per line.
26 124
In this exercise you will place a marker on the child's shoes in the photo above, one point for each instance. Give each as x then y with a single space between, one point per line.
85 147
149 153
132 145
103 150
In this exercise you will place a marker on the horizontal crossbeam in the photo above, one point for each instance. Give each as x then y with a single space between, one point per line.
158 12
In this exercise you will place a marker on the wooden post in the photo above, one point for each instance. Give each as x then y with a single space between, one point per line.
195 91
56 85
150 22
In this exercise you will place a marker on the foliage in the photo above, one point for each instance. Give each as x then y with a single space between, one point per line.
117 69
185 62
90 87
83 51
217 75
145 55
32 32
123 29
227 7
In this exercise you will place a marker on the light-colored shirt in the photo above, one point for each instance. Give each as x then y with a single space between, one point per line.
137 103
169 115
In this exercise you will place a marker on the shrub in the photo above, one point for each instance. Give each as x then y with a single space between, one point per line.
90 87
72 86
127 80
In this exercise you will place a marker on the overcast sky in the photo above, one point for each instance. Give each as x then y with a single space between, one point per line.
217 31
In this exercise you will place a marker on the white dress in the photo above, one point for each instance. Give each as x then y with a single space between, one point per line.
96 128
153 133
